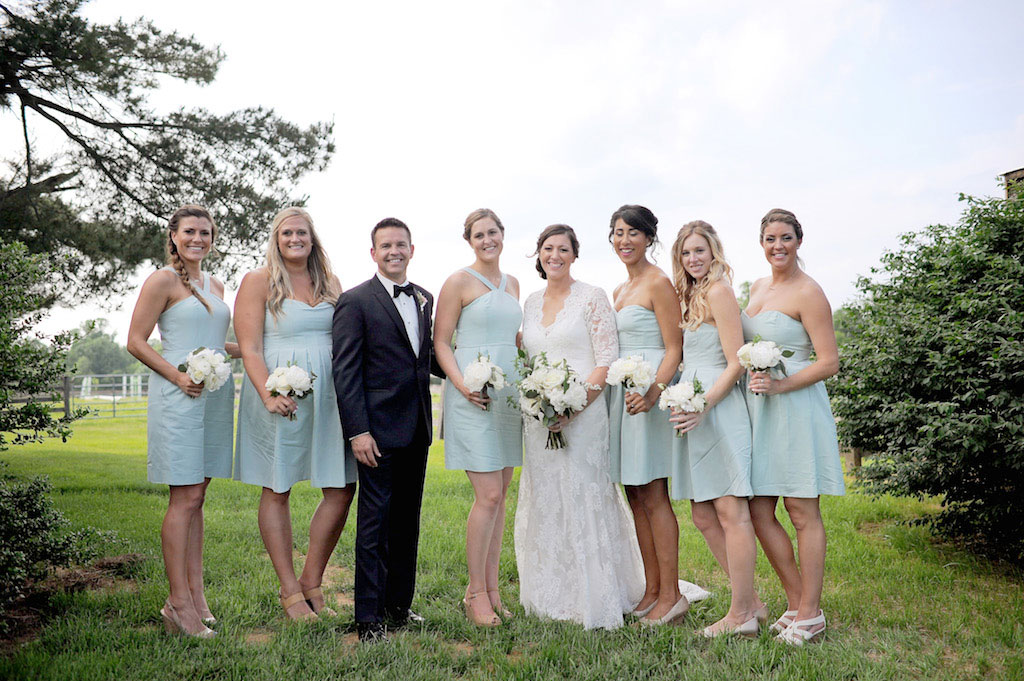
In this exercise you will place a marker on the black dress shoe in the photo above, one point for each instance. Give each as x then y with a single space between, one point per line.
372 632
402 619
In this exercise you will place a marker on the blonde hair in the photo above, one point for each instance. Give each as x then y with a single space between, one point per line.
693 294
279 285
189 210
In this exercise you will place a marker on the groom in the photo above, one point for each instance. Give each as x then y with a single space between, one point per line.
382 364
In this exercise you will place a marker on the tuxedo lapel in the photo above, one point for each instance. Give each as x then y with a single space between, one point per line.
424 317
384 298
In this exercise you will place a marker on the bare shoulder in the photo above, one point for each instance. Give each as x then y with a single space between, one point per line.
513 286
812 292
161 282
721 292
759 284
254 282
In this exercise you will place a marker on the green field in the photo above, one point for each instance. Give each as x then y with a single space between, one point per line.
899 605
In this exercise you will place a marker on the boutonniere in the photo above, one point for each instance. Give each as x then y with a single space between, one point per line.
421 299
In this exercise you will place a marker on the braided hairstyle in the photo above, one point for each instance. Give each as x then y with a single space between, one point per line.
174 258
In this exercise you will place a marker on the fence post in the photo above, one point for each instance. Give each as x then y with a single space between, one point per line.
67 395
113 398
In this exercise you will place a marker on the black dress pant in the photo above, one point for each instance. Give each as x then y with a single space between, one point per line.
387 530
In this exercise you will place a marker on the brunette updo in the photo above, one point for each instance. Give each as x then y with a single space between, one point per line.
555 230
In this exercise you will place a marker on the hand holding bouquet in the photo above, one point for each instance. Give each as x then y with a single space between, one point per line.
633 373
684 396
760 356
291 381
205 366
481 374
547 391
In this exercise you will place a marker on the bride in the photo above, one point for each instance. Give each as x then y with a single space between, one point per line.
575 543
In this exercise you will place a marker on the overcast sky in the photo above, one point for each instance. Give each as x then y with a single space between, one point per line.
866 119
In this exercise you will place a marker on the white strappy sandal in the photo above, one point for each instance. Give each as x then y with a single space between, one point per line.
795 634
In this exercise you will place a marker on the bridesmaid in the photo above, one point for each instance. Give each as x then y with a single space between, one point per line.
647 316
483 435
283 313
795 451
711 465
188 430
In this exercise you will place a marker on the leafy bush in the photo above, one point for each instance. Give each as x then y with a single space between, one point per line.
32 369
35 536
932 373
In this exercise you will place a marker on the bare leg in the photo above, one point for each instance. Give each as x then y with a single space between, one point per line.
777 547
665 535
324 529
195 558
705 519
275 523
645 537
741 549
488 500
494 550
810 543
185 501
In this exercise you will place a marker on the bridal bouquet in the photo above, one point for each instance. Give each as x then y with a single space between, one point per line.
291 381
683 396
547 391
481 374
206 366
633 373
761 355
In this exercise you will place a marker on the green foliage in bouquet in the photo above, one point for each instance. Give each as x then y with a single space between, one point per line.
932 374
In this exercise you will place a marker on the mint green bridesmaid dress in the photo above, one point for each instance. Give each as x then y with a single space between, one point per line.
640 448
713 459
795 450
189 439
274 452
474 439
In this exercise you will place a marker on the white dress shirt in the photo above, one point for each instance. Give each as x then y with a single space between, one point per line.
408 310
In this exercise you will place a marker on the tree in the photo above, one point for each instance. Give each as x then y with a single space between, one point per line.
96 352
103 203
31 369
933 372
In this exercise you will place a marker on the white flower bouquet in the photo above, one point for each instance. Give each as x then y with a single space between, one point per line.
481 374
547 391
292 381
683 396
205 366
762 355
633 373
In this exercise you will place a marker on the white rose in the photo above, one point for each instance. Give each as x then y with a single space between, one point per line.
476 375
743 355
298 378
530 406
764 355
551 379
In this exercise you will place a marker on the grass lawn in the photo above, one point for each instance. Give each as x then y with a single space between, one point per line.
899 605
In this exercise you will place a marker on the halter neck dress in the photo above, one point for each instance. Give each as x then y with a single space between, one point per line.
640 449
474 439
273 451
795 450
713 459
189 439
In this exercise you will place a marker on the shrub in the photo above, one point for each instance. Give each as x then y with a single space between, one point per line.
35 536
932 373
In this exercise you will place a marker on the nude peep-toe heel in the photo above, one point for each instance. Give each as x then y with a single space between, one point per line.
485 621
173 625
295 599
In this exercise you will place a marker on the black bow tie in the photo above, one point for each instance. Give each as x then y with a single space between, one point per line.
399 290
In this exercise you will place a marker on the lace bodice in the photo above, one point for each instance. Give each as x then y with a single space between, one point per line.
583 332
575 543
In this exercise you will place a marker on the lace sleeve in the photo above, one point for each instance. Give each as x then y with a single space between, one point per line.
604 337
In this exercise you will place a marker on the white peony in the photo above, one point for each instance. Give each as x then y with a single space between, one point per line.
476 375
765 355
531 406
206 366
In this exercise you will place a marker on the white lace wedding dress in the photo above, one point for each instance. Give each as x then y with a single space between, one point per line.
575 541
